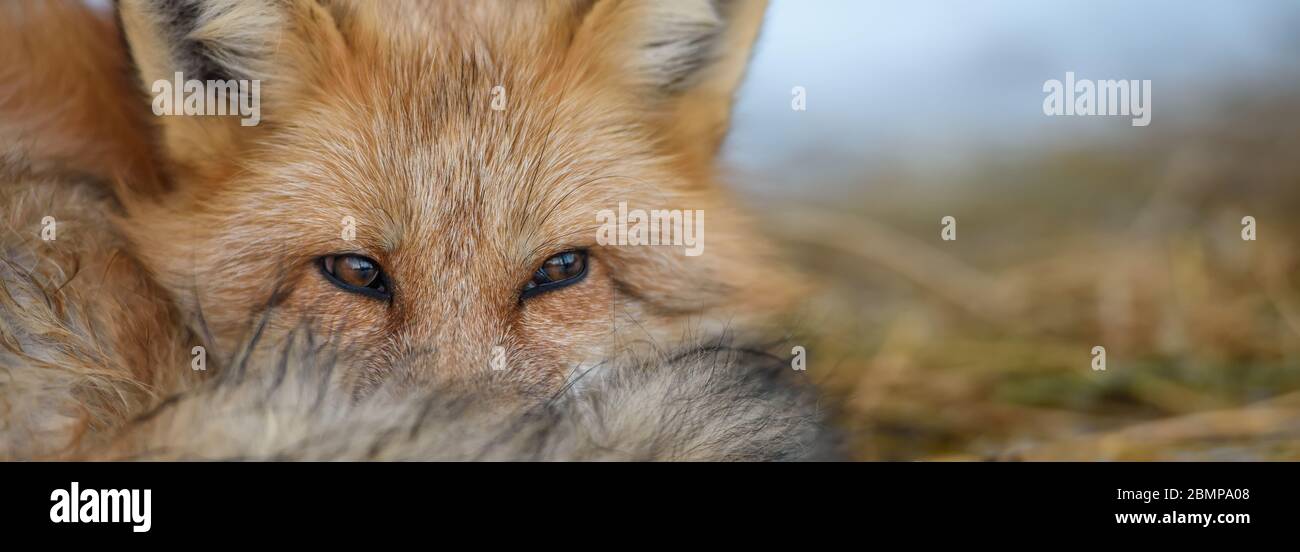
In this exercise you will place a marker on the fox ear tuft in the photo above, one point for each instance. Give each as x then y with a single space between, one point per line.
278 45
678 45
691 53
203 39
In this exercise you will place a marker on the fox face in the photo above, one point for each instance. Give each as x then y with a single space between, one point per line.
423 185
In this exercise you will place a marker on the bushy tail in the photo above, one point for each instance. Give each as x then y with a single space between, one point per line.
707 403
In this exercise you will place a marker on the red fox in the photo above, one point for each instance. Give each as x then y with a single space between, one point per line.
394 229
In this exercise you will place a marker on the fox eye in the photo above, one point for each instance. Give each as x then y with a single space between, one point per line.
356 274
558 271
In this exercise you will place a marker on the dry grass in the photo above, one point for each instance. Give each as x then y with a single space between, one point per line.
981 348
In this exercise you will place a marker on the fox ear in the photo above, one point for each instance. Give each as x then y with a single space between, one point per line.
689 54
277 43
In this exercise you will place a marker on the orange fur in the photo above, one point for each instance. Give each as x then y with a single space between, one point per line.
380 111
85 333
63 98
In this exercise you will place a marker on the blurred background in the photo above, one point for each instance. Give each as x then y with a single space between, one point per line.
1072 232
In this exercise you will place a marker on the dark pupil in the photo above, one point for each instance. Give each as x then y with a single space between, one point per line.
560 267
356 271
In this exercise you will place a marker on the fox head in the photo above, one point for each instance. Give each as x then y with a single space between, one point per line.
424 181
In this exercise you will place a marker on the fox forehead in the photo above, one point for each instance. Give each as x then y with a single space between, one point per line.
424 18
416 155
